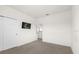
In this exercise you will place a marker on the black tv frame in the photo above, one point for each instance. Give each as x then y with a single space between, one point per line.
26 25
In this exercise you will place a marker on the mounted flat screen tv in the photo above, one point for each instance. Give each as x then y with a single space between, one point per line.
26 25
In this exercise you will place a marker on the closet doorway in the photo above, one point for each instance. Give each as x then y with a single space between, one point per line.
8 32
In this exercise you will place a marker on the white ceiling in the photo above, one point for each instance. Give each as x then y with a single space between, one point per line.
37 11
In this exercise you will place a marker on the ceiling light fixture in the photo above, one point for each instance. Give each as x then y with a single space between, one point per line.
46 14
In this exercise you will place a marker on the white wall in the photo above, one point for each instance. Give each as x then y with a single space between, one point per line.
1 34
24 35
57 28
75 29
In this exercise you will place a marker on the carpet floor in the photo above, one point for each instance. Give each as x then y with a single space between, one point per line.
39 47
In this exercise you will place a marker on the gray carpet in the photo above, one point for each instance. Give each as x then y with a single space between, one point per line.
39 47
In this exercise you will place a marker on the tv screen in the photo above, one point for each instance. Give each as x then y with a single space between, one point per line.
26 25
